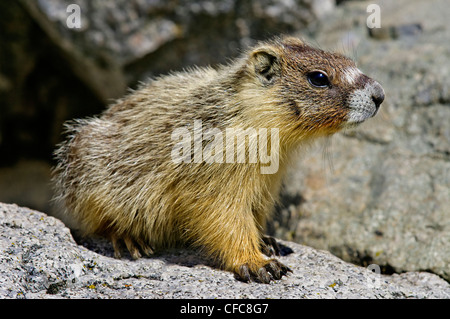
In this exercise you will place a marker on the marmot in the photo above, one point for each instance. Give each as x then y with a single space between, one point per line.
119 176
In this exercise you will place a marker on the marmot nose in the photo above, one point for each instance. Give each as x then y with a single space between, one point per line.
377 95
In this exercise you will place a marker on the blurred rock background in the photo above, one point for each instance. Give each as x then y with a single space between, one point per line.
380 194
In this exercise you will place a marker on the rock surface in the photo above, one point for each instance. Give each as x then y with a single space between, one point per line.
381 194
40 259
112 38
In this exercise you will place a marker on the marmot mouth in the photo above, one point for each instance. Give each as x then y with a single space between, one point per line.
365 103
359 115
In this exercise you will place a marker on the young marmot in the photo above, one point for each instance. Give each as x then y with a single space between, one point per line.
119 175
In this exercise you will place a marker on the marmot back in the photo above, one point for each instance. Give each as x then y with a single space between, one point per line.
198 157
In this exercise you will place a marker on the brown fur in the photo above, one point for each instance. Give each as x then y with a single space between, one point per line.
116 177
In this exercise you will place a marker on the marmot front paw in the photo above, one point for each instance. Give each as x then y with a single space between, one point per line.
271 270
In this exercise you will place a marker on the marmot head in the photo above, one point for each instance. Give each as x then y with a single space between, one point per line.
324 91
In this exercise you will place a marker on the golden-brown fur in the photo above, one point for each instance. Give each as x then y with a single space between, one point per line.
116 177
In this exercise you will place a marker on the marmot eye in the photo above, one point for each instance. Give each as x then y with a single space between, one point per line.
318 79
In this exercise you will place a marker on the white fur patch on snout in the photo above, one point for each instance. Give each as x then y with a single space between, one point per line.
350 75
361 104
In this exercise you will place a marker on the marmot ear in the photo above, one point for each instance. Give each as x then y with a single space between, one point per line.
266 63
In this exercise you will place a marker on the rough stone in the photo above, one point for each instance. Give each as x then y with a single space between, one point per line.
381 194
40 259
115 36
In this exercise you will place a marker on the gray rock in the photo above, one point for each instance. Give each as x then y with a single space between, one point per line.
386 198
114 36
40 259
